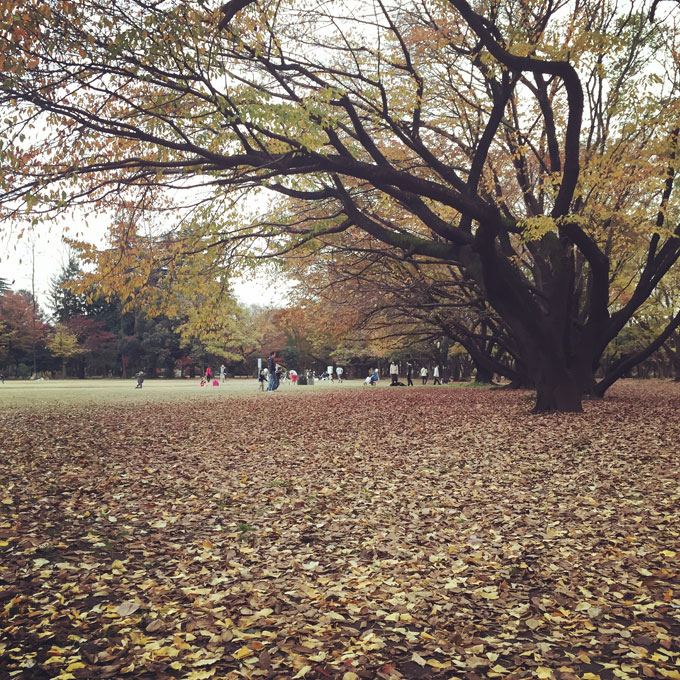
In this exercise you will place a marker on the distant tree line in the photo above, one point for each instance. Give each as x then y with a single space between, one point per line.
403 319
85 335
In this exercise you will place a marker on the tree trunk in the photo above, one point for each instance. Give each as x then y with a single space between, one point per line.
483 374
557 389
542 325
673 352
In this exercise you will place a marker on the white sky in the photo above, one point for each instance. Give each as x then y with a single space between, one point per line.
51 254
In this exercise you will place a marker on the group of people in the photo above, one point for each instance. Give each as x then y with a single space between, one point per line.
209 379
329 374
373 377
208 376
274 374
424 375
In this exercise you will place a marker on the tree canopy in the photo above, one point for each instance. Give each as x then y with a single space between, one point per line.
532 146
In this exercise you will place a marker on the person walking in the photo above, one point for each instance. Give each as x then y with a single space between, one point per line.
262 378
423 375
223 370
208 374
140 380
339 371
409 374
271 366
435 375
394 372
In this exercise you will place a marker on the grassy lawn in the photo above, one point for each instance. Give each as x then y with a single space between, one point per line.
333 532
34 393
27 392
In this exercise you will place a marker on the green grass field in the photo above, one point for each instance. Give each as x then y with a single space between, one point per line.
25 392
28 392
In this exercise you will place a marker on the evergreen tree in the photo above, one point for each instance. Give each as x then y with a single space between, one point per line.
64 303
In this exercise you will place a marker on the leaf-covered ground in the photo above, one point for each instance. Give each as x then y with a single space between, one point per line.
368 533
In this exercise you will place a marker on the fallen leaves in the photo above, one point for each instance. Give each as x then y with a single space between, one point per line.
421 534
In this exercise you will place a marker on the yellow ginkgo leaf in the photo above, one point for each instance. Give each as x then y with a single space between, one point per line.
242 653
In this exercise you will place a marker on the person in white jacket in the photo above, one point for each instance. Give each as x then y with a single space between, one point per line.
435 375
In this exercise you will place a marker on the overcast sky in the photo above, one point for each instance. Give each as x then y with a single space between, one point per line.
51 254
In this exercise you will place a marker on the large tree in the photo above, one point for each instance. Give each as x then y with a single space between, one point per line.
518 141
408 303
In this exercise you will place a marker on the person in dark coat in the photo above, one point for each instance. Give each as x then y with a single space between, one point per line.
271 367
